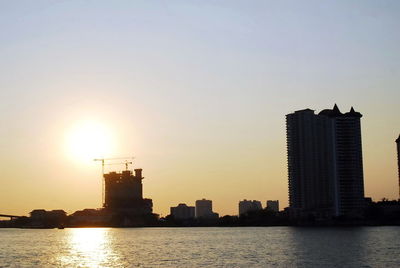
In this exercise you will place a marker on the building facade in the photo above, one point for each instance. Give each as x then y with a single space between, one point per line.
325 162
183 212
124 192
273 205
204 209
248 205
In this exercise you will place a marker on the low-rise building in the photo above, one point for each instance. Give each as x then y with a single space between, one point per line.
273 205
183 212
43 218
248 205
204 209
90 217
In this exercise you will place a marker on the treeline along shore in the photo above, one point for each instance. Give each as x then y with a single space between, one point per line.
384 212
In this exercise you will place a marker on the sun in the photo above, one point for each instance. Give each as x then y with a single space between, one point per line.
87 140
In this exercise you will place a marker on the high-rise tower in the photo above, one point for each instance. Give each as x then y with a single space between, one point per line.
325 162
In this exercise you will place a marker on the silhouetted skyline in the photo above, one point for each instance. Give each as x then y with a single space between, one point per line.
197 89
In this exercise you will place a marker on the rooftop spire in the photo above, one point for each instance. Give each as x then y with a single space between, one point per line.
336 108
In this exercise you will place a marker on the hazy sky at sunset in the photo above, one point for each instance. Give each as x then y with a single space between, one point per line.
197 91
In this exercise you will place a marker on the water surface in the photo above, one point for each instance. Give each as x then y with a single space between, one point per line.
201 247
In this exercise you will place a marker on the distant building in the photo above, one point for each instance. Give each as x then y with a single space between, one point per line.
41 214
58 213
273 205
204 209
124 192
325 162
38 214
248 205
390 208
398 159
44 218
183 212
89 217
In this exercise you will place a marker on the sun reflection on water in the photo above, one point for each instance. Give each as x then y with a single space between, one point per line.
89 247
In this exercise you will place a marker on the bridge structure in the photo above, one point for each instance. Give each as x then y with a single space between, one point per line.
12 217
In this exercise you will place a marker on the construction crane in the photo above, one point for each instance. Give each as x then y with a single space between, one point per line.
103 163
126 163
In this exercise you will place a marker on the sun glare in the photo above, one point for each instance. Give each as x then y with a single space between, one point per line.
89 247
88 140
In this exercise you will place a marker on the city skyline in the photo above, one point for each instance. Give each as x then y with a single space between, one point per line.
197 92
334 112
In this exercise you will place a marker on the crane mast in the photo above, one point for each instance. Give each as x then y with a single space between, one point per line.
103 163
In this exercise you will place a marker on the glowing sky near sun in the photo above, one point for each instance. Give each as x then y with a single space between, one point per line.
196 91
87 140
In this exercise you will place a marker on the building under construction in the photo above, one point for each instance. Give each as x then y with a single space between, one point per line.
124 193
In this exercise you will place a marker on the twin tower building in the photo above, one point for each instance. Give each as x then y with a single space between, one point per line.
325 166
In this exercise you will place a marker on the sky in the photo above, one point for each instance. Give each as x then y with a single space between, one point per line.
196 91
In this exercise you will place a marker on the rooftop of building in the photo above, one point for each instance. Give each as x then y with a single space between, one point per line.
184 205
305 110
335 112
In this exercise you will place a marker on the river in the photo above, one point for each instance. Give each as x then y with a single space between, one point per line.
201 247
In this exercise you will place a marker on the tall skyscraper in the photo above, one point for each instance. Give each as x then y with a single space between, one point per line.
325 162
398 159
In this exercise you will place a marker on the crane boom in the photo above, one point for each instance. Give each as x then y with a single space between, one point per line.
103 163
126 163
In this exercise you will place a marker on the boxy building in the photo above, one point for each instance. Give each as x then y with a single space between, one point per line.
273 205
204 209
124 192
248 205
183 212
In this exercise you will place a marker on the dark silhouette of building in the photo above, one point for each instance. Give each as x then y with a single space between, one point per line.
248 205
273 205
124 192
183 212
398 159
44 218
204 209
90 217
325 162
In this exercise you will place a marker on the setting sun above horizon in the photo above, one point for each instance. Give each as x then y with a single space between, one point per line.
197 91
87 140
